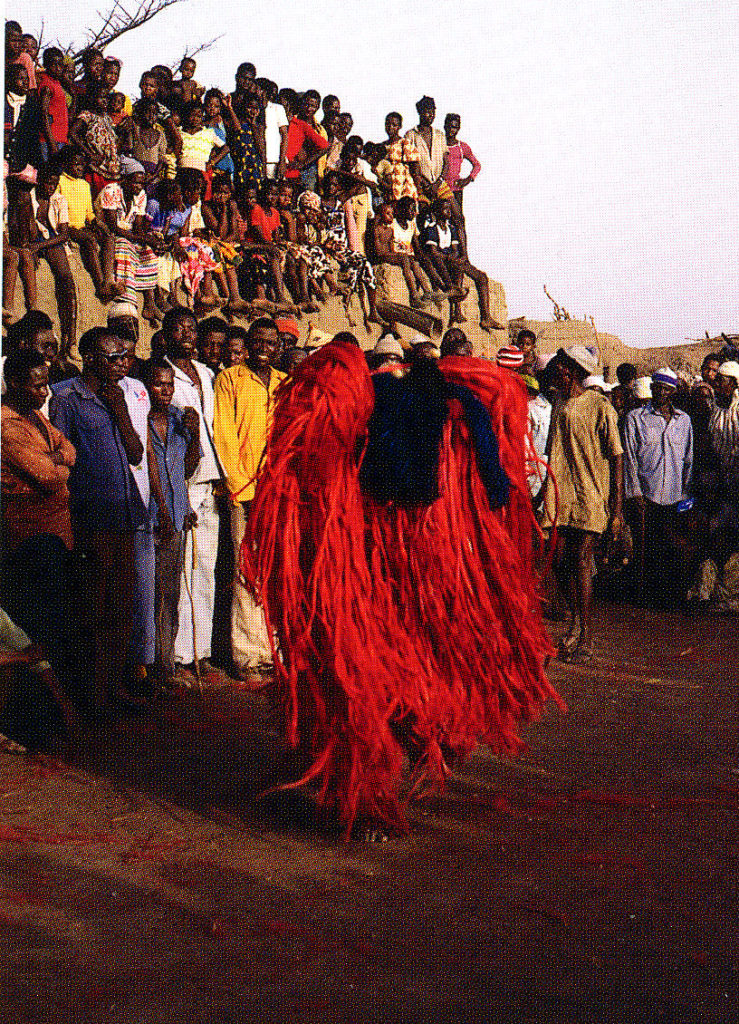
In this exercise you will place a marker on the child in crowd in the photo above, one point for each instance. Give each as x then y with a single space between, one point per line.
148 143
401 154
308 221
30 45
358 179
94 133
200 260
16 53
330 160
213 106
246 141
440 243
150 89
306 141
298 254
340 241
44 235
264 223
166 215
111 74
186 89
174 436
394 244
223 220
201 147
116 103
53 98
94 239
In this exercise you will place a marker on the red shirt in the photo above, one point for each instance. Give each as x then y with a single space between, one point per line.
58 112
266 226
298 131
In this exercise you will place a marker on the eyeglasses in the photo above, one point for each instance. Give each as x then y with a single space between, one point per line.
115 357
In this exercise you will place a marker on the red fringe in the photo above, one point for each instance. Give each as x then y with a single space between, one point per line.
390 621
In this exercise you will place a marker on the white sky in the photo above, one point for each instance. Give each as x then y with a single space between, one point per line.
607 131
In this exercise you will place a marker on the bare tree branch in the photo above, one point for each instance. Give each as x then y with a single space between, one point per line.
199 49
560 313
116 21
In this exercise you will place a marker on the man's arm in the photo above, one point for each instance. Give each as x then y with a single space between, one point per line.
617 487
45 97
632 488
688 463
193 453
476 166
165 527
225 435
283 151
112 395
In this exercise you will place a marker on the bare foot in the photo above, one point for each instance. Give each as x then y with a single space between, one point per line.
210 301
488 324
152 314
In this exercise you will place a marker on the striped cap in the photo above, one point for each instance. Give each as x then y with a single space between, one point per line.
665 376
510 357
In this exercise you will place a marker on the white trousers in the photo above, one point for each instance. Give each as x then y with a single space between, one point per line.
201 579
249 640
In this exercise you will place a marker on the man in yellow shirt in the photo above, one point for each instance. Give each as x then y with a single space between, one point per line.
244 400
96 243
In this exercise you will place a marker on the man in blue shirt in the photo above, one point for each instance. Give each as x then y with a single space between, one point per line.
105 502
175 445
658 465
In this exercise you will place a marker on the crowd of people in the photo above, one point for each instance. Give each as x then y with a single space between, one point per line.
127 486
242 200
639 476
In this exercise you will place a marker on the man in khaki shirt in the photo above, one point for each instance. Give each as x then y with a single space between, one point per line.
587 464
244 400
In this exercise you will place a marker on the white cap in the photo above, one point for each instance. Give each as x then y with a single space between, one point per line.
730 369
388 346
583 357
595 382
665 376
643 388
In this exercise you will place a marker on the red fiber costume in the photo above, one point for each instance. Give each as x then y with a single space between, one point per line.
399 628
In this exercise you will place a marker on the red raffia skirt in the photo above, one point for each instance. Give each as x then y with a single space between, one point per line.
399 629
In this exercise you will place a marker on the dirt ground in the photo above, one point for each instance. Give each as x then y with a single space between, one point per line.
593 879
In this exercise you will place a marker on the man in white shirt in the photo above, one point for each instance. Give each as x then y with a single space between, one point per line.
193 386
275 129
143 637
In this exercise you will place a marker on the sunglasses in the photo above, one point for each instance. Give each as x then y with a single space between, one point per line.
115 357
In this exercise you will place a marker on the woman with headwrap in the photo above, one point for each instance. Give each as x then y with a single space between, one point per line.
122 207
